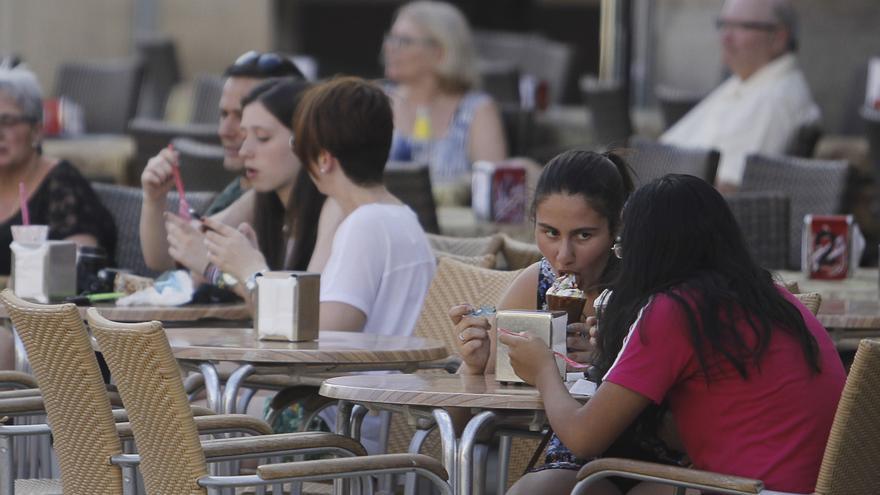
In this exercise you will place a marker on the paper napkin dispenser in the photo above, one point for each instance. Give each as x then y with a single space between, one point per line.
287 306
549 326
43 272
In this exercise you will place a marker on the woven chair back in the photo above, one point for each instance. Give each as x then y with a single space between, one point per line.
651 160
455 283
77 407
206 99
148 379
849 465
812 300
871 119
519 254
124 204
763 218
107 91
812 186
465 246
608 104
804 140
675 103
412 185
201 165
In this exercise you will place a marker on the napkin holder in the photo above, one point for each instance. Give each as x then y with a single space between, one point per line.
548 326
43 272
287 306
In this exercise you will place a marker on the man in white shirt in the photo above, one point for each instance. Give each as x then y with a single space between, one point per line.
762 105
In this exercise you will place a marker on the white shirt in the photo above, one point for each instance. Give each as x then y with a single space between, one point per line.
382 264
759 114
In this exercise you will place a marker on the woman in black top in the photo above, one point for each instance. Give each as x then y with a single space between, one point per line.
58 196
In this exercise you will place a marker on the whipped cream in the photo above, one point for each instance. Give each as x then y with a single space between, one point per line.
565 285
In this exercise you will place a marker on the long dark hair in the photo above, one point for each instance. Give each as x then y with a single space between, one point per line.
272 223
602 179
680 239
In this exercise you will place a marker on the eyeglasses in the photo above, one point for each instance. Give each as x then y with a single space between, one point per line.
398 41
617 248
263 61
723 24
8 120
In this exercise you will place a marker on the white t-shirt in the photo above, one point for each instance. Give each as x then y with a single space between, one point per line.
382 264
760 114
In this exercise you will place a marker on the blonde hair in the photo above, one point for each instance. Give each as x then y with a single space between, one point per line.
447 26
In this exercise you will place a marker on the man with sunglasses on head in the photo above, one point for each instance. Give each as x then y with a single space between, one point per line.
766 99
157 180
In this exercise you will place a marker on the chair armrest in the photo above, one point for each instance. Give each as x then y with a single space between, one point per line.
22 406
673 475
121 415
214 425
285 443
366 465
17 379
19 393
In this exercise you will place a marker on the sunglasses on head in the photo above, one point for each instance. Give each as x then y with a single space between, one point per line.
262 61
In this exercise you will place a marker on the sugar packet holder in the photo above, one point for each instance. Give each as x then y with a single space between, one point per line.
287 305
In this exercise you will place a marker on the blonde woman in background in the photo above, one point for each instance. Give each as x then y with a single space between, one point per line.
439 115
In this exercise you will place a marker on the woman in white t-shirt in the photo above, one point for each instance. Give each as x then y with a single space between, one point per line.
381 264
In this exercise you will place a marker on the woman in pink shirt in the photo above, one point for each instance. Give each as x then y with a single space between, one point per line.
750 376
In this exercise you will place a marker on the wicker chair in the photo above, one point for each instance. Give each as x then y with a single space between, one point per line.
675 103
201 166
151 135
871 118
173 459
124 203
803 143
206 99
107 91
466 246
651 160
848 466
85 431
412 185
519 254
812 300
74 394
812 186
483 261
763 218
158 54
608 104
455 283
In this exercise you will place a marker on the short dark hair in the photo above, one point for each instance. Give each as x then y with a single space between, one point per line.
259 65
351 119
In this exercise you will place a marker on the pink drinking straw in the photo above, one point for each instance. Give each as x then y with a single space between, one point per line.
22 202
182 204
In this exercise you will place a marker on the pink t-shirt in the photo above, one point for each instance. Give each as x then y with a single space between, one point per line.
772 427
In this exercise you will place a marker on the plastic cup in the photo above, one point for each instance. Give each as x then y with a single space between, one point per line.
30 234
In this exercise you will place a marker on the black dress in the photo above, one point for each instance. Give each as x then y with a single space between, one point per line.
66 202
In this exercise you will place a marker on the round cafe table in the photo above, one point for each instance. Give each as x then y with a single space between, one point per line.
429 396
200 348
